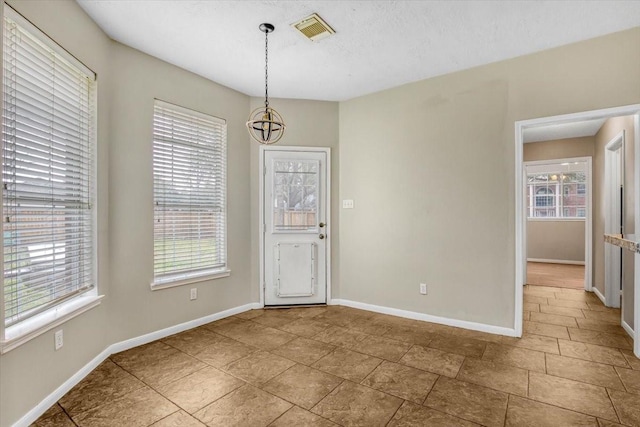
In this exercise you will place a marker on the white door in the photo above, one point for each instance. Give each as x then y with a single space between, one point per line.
295 227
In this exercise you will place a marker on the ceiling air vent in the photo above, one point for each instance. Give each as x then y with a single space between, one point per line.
313 28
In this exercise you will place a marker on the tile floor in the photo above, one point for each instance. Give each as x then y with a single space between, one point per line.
327 366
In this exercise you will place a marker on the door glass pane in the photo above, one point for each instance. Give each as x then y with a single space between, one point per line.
295 195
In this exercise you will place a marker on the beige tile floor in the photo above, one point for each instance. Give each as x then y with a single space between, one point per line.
327 366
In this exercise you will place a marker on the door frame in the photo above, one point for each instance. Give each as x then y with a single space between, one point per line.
262 226
588 220
636 263
520 217
613 256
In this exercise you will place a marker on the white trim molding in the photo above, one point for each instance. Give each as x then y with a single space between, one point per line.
627 328
555 261
636 257
29 329
481 327
614 178
599 294
58 393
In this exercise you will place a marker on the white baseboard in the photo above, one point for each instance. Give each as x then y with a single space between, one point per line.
599 295
628 329
31 416
555 261
153 336
498 330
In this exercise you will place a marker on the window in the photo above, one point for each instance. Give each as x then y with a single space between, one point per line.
295 192
556 195
47 174
189 187
545 197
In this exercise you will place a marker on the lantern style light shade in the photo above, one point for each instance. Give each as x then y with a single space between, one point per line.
265 124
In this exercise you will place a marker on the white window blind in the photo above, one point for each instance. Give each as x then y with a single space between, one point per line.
47 171
189 178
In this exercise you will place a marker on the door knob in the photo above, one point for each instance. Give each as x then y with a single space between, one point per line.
322 224
321 236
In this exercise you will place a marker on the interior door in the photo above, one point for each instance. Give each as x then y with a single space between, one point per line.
295 227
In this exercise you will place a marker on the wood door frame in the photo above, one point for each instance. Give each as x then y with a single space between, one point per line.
262 226
613 275
588 221
520 217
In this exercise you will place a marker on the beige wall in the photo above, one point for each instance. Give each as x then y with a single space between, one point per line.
134 308
309 124
559 149
607 132
128 82
556 240
430 166
32 371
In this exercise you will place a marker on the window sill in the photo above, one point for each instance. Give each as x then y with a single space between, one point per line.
557 219
156 286
29 329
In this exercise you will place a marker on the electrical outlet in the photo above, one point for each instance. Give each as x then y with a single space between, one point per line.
194 293
423 288
58 340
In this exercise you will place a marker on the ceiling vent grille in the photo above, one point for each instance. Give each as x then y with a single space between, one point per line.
313 27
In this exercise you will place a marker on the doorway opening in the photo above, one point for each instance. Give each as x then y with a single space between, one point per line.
559 215
630 304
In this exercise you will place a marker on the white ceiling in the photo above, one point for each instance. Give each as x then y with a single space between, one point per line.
377 45
563 130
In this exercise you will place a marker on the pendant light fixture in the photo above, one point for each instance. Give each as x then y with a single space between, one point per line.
265 124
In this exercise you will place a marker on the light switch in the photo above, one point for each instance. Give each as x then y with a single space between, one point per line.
347 204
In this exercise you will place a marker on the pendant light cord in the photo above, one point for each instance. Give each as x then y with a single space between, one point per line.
266 69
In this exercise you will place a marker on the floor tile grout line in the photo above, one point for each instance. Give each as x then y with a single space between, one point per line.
624 384
558 406
506 412
170 382
280 416
529 383
68 415
430 390
615 410
145 385
215 400
396 411
581 382
167 416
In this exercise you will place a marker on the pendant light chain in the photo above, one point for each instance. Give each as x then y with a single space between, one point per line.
266 69
265 125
